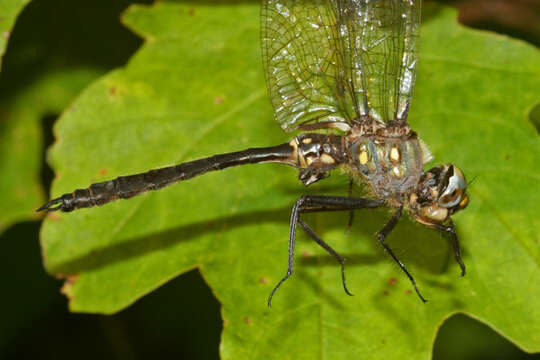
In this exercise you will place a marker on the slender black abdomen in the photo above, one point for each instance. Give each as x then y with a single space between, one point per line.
125 187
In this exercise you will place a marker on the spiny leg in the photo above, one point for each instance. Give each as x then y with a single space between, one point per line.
329 249
316 203
381 235
451 230
292 234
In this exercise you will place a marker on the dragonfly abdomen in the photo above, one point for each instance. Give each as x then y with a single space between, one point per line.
125 187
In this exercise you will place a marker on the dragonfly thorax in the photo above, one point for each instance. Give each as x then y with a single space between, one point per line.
391 160
391 163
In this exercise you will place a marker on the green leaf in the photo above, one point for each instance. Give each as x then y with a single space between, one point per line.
42 73
9 10
21 142
12 138
195 89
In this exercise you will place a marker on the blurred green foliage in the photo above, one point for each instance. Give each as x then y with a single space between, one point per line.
48 63
182 318
9 10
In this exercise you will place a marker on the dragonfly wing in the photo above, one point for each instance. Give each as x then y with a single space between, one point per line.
384 36
300 58
339 60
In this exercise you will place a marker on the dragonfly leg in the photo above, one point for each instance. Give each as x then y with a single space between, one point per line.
451 230
381 235
329 249
292 235
317 203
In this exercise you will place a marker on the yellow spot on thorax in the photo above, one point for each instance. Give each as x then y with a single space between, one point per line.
397 172
363 157
327 159
395 156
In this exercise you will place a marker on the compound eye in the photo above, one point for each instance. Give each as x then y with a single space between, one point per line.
454 193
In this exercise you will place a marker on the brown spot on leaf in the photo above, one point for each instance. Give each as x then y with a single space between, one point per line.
68 284
218 100
191 12
6 34
112 90
66 290
102 172
385 292
263 280
225 322
53 216
392 281
408 291
247 320
306 254
68 277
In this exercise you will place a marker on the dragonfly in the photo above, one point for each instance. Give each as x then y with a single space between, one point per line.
340 73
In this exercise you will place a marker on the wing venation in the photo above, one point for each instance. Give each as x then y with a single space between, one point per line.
340 60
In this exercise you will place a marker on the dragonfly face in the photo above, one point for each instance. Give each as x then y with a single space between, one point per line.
441 193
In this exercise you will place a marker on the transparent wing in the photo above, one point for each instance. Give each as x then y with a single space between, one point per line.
385 53
339 60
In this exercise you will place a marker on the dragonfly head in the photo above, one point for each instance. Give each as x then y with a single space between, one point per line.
440 194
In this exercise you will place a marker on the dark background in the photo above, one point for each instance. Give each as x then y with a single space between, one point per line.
182 318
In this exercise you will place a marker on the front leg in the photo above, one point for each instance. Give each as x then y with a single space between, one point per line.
381 235
451 230
317 203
